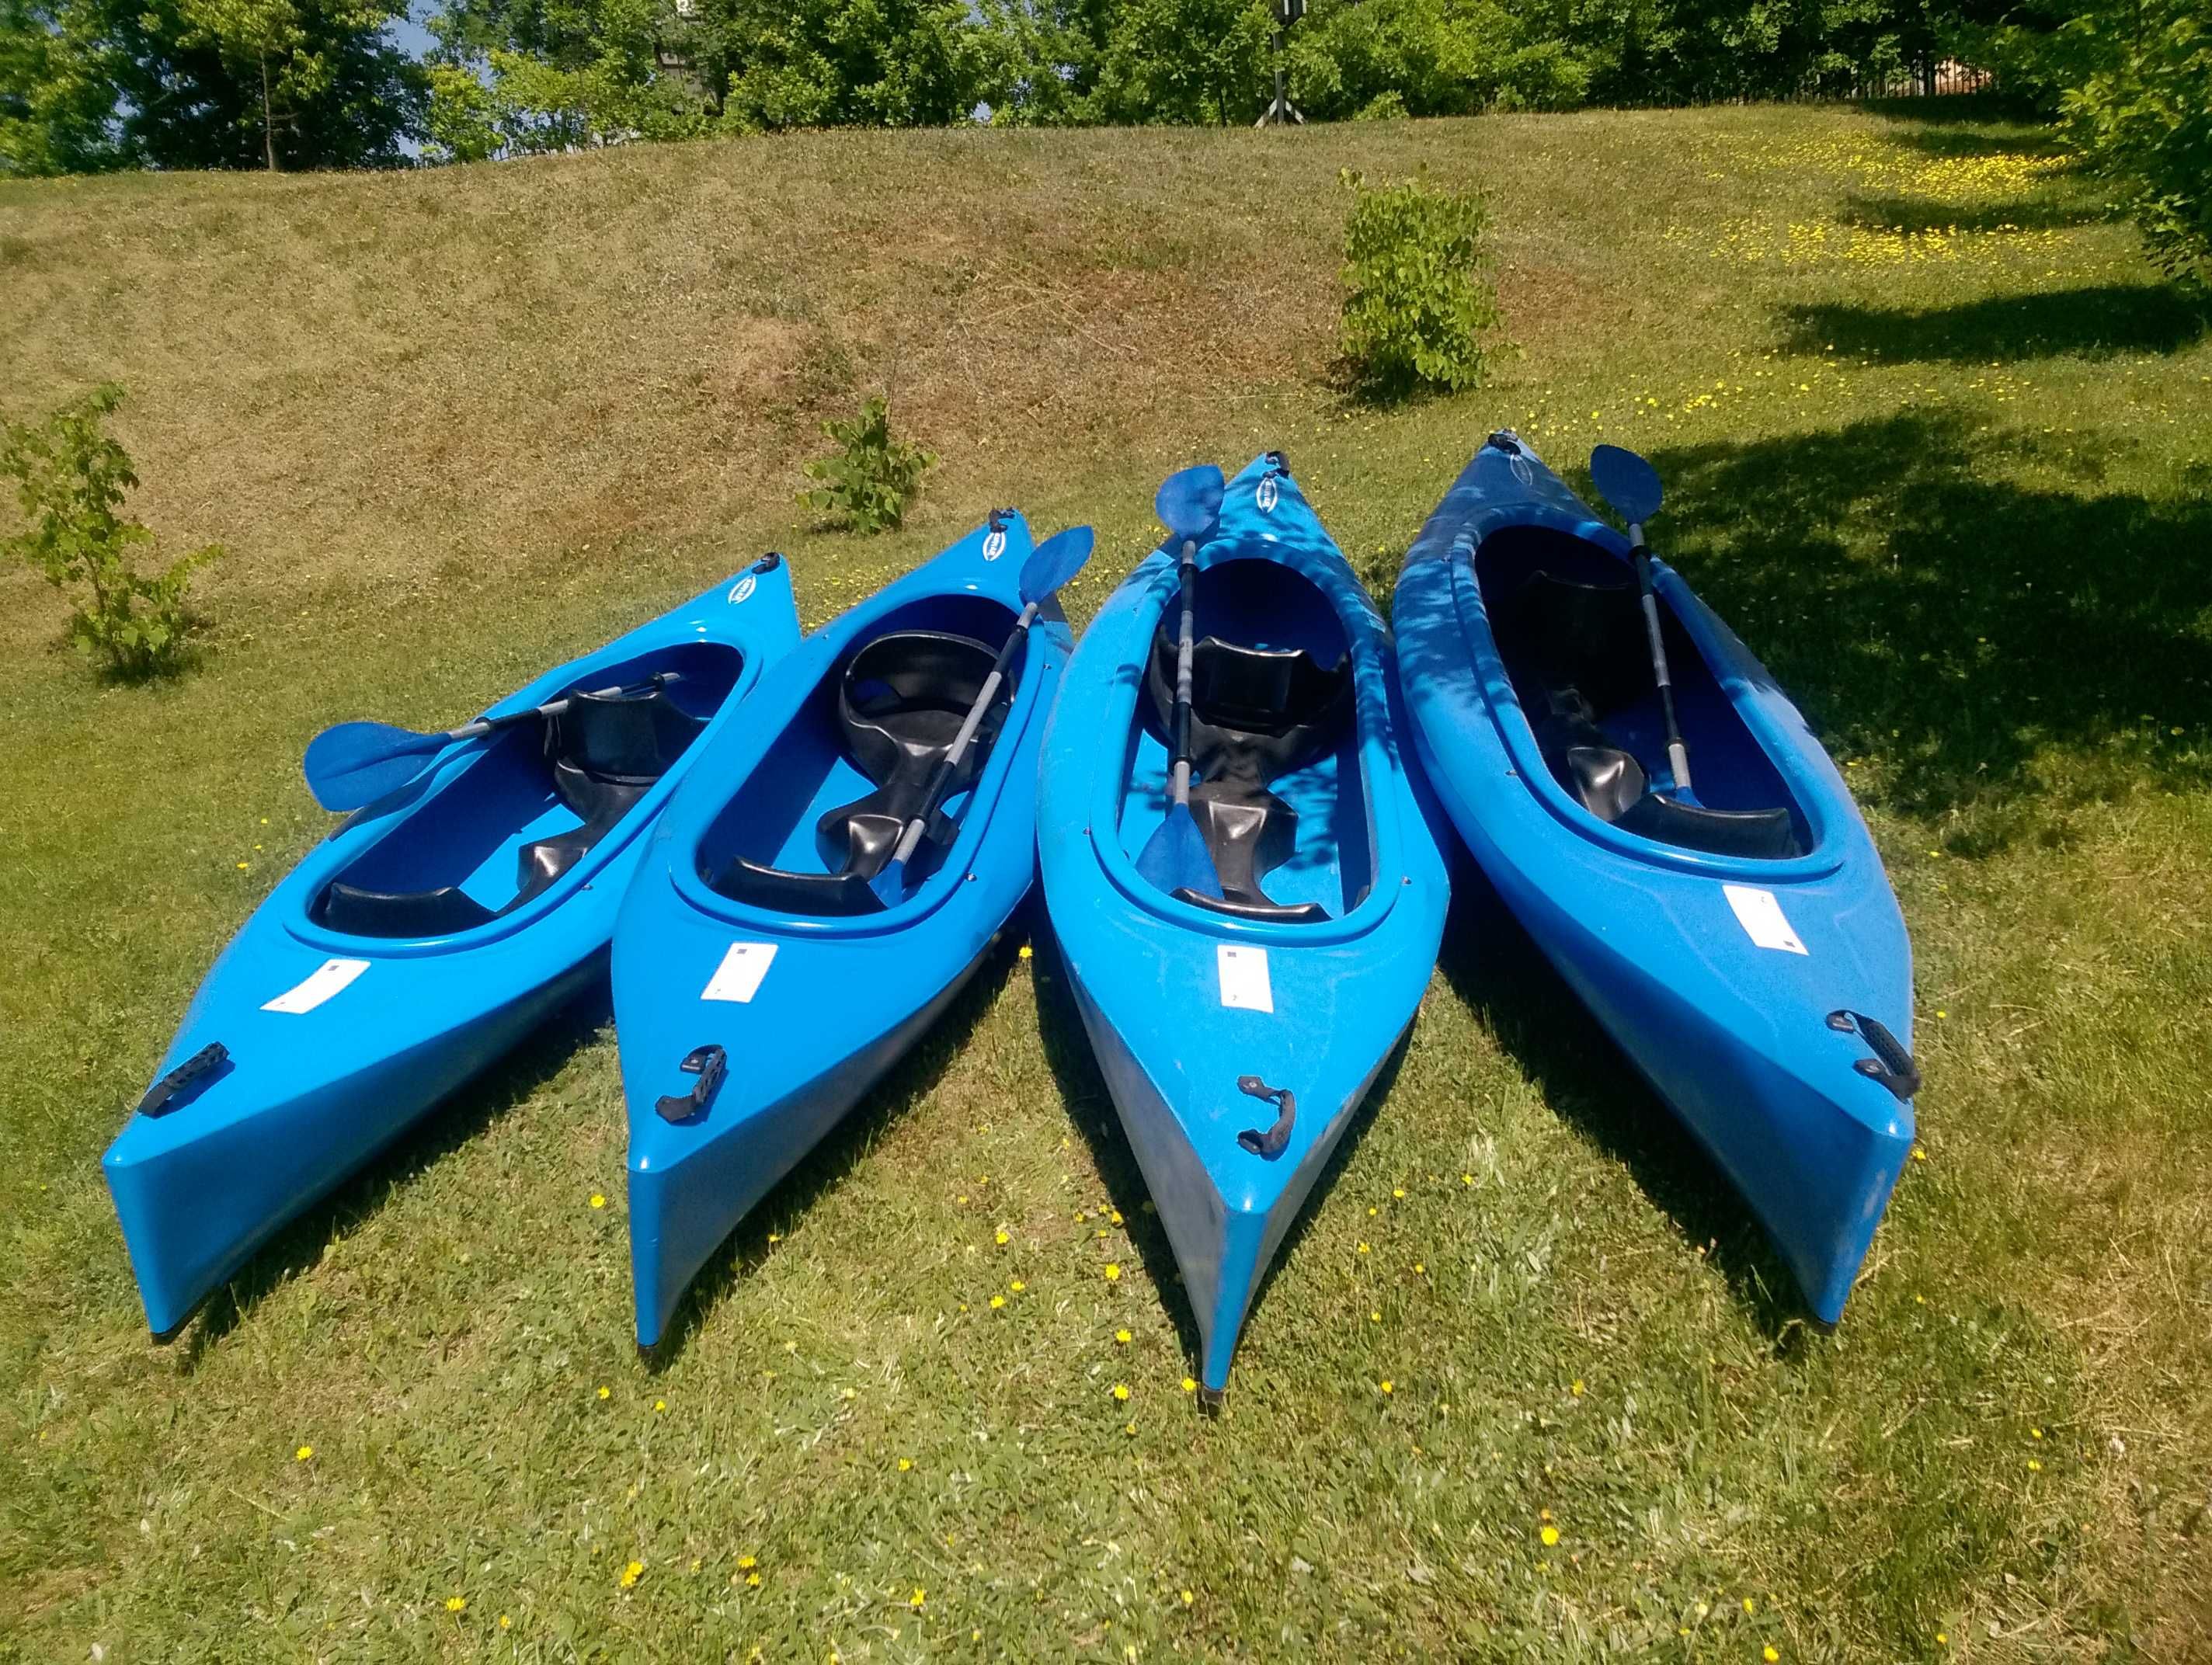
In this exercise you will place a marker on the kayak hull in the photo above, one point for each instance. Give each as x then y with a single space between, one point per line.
1184 1005
1723 979
836 1001
338 1043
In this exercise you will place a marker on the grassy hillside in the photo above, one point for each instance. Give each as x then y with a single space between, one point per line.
1937 444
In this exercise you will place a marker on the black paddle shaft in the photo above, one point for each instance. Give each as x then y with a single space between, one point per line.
941 777
1678 754
1179 719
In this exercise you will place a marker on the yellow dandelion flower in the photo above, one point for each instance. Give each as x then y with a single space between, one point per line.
776 1237
1190 1597
597 1200
660 1405
1550 1535
1419 1270
1375 1317
1016 1285
997 1301
1113 1271
1002 1239
606 1392
1190 1384
752 1581
457 1604
1115 1217
919 1596
1575 1387
505 1623
1399 1192
1363 1248
1122 1337
905 1463
1027 953
1388 1386
2033 1466
2035 1433
1768 1653
1919 1153
746 1563
1749 1605
1941 1640
1467 1179
631 1573
303 1453
1122 1390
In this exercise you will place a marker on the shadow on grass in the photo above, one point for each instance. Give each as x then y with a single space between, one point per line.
1970 124
1922 214
1966 628
442 1130
2094 321
1075 1067
1492 965
823 1168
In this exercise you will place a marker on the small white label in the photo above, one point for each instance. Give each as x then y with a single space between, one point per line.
995 545
1244 978
1268 495
742 589
739 976
1761 915
324 980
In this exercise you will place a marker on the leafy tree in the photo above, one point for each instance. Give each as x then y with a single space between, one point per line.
1043 58
1438 57
1186 61
517 76
56 89
2143 116
846 63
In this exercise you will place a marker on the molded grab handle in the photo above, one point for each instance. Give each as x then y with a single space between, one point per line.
710 1063
1891 1065
171 1091
1269 1144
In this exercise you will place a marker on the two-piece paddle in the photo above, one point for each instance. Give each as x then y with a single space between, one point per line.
1175 857
1055 561
1632 485
356 763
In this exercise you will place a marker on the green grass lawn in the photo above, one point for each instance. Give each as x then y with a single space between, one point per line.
1936 443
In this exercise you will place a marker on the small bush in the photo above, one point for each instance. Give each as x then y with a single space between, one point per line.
1384 106
1419 305
71 477
867 487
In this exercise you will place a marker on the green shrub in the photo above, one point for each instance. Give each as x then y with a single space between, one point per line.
867 487
71 477
1384 106
1419 306
2143 118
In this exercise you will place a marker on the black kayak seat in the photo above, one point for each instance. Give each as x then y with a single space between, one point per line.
606 752
1257 714
901 699
1587 649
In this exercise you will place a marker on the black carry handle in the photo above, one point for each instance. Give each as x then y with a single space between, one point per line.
188 1078
710 1063
1891 1065
1270 1143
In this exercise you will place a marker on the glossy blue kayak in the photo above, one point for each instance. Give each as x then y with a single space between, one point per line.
422 940
1237 1034
1743 945
760 984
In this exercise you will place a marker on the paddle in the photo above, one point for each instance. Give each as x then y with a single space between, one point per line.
1175 857
356 763
1054 561
1632 486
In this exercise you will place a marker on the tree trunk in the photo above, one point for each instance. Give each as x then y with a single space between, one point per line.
268 120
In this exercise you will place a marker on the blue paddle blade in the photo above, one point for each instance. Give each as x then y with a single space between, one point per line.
1175 857
356 763
1058 559
1627 481
1190 503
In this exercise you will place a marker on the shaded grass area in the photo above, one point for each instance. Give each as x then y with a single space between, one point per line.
1937 444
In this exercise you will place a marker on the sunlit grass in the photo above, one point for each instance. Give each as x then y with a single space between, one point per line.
1528 1385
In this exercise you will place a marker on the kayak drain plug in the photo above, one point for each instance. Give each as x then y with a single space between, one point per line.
1270 1143
709 1064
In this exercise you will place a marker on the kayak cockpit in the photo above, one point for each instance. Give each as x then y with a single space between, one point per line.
532 805
820 814
1277 785
1568 621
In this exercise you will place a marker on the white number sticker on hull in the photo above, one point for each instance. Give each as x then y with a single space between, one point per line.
1762 919
1244 978
324 980
739 976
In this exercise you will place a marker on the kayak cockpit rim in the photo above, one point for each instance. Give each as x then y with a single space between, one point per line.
1366 640
912 603
1706 633
714 673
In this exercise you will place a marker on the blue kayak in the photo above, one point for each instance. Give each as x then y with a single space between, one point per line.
422 940
761 986
1741 944
1238 1032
